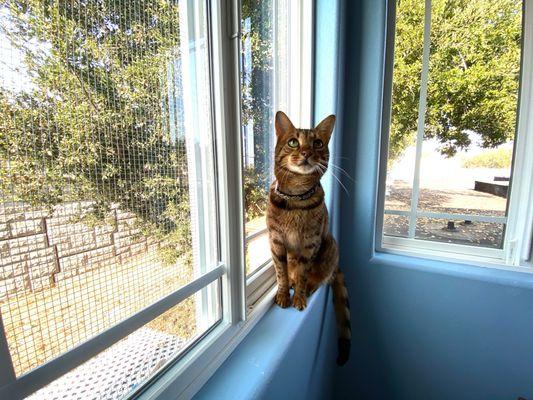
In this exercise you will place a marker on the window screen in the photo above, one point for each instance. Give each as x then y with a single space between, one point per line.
106 170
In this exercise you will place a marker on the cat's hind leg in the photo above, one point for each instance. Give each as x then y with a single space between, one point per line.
323 264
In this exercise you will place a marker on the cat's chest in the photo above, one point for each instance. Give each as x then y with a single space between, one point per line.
298 225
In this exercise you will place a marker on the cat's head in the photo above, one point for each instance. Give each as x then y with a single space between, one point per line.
302 151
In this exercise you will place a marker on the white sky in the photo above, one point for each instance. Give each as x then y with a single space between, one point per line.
440 172
13 72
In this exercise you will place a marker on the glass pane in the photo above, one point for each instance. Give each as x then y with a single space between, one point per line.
269 72
409 41
129 363
470 118
106 167
457 231
257 104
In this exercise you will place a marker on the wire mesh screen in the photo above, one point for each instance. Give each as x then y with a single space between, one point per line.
129 363
97 210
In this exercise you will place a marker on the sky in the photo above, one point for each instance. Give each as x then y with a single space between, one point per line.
13 73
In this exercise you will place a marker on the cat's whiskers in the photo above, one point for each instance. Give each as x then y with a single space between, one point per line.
337 178
339 158
340 183
321 169
342 171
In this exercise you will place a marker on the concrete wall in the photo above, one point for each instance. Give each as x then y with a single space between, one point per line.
39 248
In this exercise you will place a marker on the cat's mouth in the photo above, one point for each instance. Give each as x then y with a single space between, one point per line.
303 167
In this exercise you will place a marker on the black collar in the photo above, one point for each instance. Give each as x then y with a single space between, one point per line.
303 196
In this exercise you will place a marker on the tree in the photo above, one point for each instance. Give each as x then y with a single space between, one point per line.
95 123
258 103
473 72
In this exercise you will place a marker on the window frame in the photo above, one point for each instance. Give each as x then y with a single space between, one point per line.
12 386
516 251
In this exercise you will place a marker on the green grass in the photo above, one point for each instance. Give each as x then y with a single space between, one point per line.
494 158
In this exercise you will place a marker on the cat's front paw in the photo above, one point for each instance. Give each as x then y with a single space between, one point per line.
299 302
283 298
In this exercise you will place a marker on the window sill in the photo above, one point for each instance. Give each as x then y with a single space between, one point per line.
250 371
521 277
186 377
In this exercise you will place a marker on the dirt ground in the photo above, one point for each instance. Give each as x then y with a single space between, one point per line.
40 326
447 201
257 249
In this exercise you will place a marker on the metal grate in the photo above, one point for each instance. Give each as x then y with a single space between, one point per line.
95 216
117 371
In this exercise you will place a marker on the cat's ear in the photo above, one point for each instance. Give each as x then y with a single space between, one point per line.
283 124
325 127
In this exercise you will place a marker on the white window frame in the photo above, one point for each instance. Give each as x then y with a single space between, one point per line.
516 251
13 387
191 369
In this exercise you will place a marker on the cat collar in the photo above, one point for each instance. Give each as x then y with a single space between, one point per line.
303 196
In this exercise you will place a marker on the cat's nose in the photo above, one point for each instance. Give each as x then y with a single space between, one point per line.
305 153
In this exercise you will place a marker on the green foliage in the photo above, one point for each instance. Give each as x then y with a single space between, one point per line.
94 124
255 193
473 72
494 158
256 104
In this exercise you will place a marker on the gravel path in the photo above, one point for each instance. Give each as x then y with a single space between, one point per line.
447 201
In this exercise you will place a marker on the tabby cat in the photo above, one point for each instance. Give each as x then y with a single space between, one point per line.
304 252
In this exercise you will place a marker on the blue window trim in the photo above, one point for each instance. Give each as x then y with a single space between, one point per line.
518 279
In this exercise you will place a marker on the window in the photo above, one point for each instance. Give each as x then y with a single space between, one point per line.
122 260
455 178
108 215
276 68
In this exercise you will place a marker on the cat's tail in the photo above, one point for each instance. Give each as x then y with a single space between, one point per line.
341 305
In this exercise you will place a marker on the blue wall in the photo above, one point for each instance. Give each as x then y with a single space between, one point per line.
422 329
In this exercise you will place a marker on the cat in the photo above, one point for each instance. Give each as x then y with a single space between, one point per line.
304 252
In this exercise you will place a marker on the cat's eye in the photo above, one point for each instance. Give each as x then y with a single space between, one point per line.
293 143
317 144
